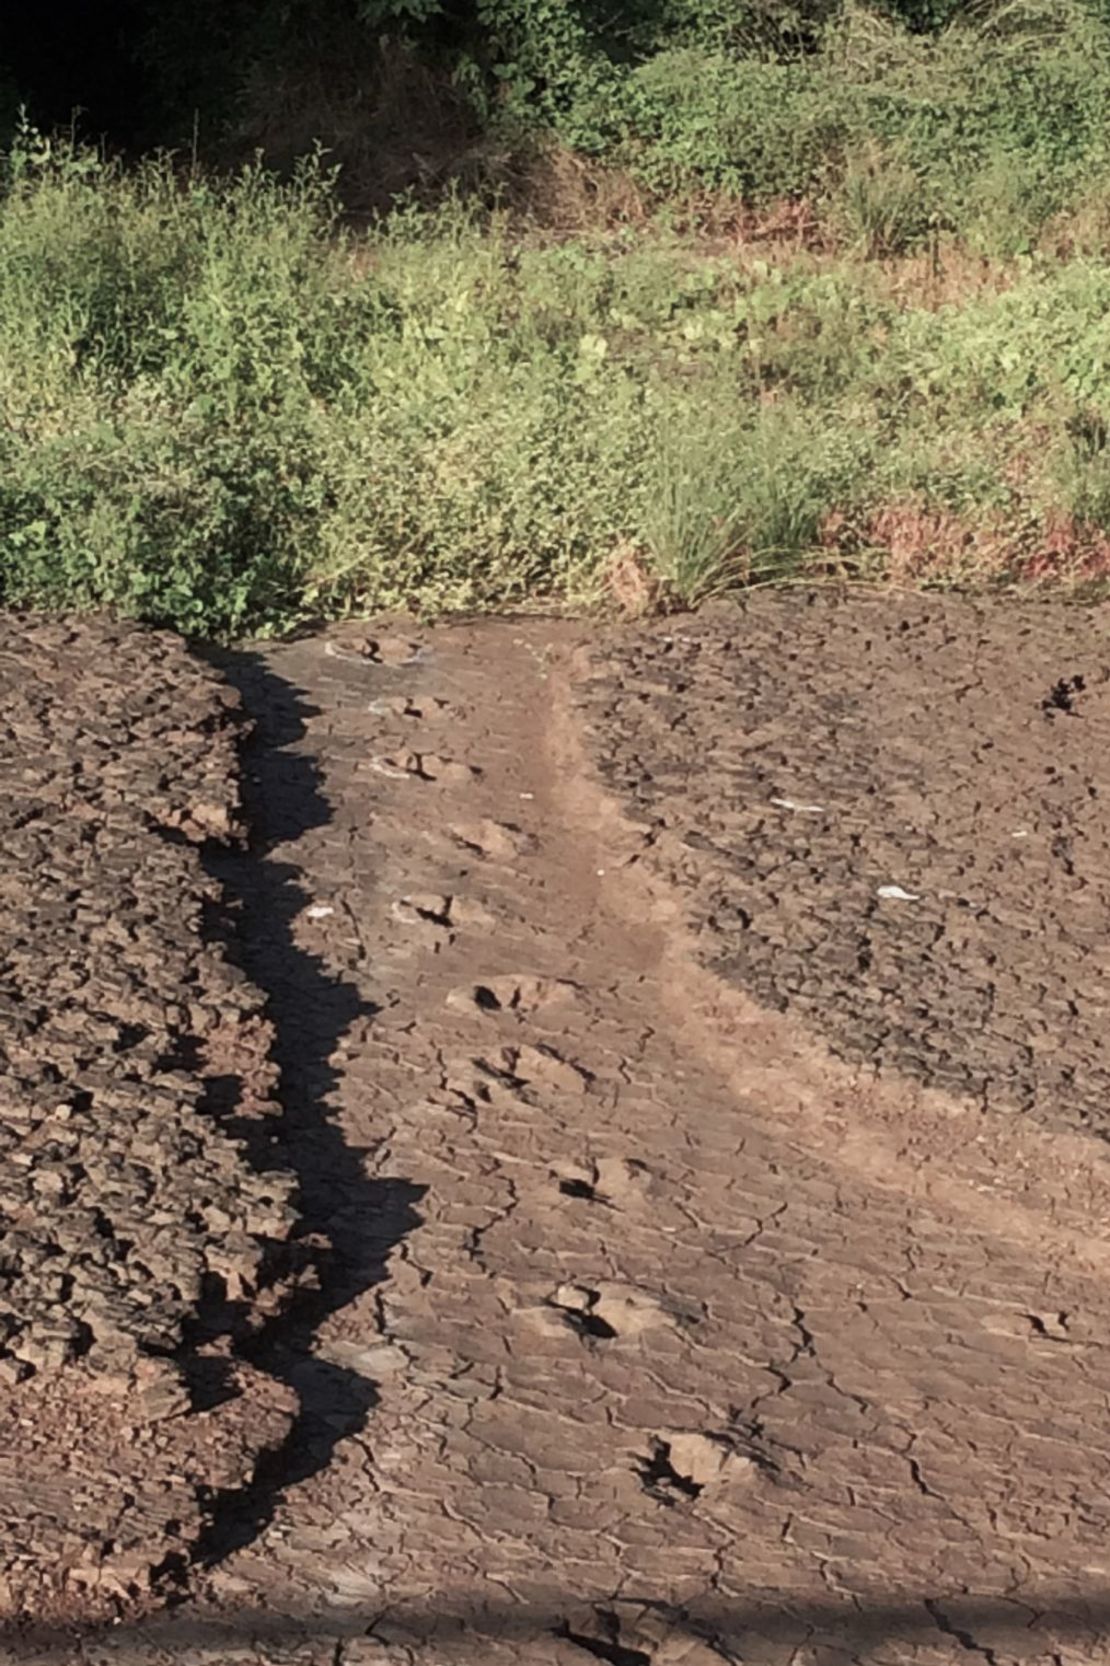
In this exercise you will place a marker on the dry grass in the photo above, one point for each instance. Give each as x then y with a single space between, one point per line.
912 544
630 586
558 193
1068 551
1084 230
945 276
555 189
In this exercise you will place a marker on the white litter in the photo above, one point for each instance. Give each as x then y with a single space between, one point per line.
802 809
895 893
390 771
1020 833
527 795
319 911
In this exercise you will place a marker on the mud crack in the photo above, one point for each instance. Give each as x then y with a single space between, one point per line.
945 1624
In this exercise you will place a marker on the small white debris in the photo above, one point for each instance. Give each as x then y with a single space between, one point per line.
1020 833
527 795
383 767
802 809
319 911
895 893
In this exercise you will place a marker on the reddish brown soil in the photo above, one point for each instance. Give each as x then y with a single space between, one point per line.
672 1317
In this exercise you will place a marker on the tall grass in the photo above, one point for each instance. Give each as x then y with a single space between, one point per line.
221 411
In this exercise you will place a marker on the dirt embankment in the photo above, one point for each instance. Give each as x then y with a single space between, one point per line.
144 1202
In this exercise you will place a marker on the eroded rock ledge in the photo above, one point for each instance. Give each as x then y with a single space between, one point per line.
145 1207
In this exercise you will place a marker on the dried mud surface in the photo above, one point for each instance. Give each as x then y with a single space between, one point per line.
654 1331
800 761
137 1239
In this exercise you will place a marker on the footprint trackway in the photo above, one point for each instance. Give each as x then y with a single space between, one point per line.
682 1340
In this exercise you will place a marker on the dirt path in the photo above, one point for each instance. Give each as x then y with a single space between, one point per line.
653 1334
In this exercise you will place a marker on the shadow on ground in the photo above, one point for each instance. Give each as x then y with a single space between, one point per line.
349 1223
991 1627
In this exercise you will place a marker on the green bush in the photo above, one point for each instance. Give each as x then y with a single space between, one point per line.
991 118
995 109
220 411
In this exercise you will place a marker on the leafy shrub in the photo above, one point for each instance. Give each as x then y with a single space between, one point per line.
993 126
220 411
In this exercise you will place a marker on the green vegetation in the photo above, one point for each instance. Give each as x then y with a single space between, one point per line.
223 409
896 118
987 128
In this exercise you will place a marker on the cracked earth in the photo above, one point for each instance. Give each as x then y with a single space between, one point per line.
693 1089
